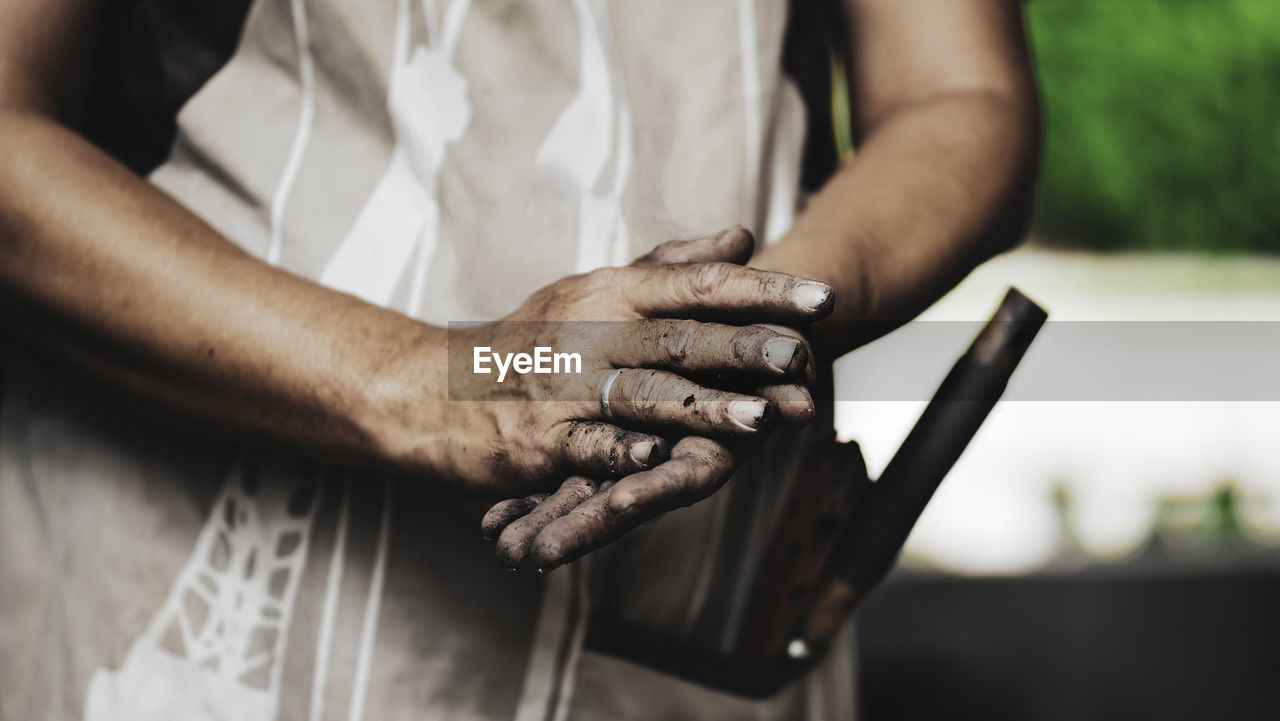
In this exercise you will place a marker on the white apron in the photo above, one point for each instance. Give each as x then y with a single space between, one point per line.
444 159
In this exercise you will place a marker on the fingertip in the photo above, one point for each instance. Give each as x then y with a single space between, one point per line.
511 548
501 515
797 413
751 414
508 555
736 233
812 296
769 416
737 244
660 454
784 354
645 455
546 554
641 451
803 410
794 403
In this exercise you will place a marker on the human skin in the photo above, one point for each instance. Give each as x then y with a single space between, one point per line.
947 125
103 273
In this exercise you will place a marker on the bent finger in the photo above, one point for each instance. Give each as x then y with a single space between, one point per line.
810 371
690 346
504 512
656 398
513 544
793 401
601 450
588 527
698 467
723 290
731 245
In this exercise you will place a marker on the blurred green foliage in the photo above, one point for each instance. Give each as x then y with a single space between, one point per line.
1162 123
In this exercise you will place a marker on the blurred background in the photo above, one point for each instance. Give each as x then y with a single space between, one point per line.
1110 559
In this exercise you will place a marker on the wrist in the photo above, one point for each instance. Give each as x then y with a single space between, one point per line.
401 400
841 260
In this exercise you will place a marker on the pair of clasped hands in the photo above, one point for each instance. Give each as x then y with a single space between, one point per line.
705 363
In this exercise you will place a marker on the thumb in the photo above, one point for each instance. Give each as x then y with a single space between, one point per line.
732 245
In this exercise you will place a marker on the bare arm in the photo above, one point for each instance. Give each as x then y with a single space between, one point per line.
947 123
103 272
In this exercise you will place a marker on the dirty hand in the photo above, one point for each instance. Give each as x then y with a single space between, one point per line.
549 530
658 336
589 511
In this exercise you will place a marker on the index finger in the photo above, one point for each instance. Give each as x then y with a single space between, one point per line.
725 291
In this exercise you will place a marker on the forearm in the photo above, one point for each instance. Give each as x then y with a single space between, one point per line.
933 191
103 272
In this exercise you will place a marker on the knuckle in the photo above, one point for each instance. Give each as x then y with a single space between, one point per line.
680 341
607 277
624 499
703 451
587 439
640 491
579 488
541 296
707 279
602 275
647 390
536 463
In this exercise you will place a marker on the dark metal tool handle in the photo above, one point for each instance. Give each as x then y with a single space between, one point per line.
880 524
878 518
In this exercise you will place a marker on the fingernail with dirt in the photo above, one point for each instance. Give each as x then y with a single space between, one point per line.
641 452
811 295
747 414
780 353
